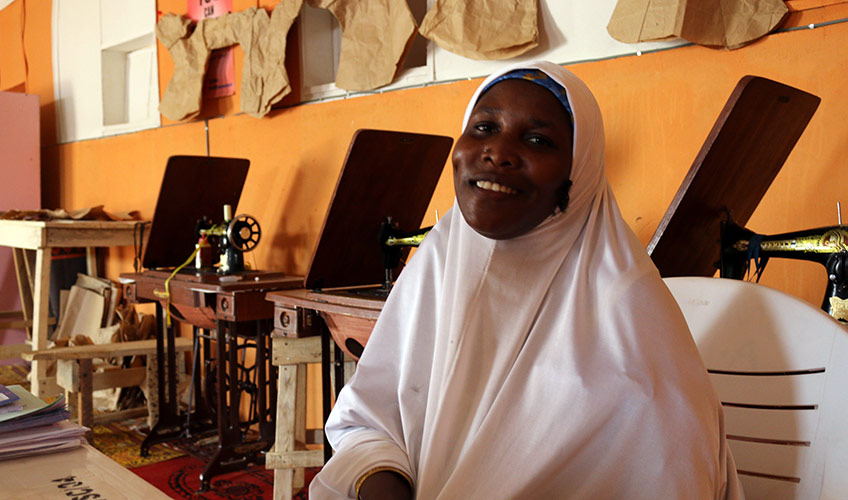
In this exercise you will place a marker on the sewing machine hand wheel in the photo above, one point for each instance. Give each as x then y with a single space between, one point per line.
243 232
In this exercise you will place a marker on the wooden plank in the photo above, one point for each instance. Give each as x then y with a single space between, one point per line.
354 297
33 235
306 300
24 286
40 300
85 404
284 432
294 459
283 483
287 351
90 237
123 377
751 139
22 234
118 349
300 422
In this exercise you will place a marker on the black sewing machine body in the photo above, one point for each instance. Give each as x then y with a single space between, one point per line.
228 241
825 245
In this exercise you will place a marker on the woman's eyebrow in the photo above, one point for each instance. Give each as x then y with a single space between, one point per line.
488 110
534 122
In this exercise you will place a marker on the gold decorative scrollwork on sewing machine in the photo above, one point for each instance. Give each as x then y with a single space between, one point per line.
825 245
830 241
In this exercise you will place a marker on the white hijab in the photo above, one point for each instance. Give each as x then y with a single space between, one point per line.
552 365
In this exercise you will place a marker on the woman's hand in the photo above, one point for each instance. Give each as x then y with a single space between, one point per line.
385 485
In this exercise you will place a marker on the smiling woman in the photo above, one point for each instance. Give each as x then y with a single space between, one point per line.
529 351
512 166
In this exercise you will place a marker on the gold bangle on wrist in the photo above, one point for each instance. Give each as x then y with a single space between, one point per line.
382 469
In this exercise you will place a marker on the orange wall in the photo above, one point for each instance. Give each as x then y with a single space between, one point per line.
658 109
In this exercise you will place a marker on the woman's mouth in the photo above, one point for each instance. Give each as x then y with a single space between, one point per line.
494 186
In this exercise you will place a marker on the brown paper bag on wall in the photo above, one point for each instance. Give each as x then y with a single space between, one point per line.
370 57
715 23
483 29
263 39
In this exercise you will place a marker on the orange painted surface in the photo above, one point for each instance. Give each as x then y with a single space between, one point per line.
12 63
658 109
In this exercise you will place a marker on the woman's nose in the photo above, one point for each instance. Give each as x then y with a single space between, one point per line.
501 153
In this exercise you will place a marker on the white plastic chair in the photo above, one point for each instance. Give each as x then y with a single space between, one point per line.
780 367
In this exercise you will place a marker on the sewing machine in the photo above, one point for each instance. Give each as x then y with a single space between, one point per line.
383 190
393 241
225 305
230 240
741 247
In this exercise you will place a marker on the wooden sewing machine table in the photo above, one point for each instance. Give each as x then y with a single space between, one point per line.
234 308
304 323
32 242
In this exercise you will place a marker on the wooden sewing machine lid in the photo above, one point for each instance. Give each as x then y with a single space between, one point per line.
752 137
192 187
385 173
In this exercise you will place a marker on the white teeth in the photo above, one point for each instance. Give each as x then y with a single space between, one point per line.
494 186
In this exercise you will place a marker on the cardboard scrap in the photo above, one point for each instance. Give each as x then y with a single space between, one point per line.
483 29
714 23
90 305
264 78
375 37
88 213
83 313
183 94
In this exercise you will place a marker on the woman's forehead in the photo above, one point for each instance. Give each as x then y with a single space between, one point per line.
537 77
517 96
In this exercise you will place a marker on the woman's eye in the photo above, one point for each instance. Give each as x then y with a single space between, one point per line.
484 127
539 140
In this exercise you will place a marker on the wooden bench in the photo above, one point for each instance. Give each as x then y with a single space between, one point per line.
289 455
77 374
32 243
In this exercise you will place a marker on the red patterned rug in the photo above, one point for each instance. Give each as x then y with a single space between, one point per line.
179 478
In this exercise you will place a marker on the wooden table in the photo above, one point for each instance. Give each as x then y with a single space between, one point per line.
232 308
82 472
304 323
32 242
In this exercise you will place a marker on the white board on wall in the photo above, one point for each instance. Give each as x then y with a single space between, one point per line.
104 67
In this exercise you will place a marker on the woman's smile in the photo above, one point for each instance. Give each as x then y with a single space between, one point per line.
495 187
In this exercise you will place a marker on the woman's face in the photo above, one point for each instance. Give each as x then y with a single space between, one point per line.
512 161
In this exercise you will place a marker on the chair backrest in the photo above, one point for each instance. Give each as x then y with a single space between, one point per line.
780 368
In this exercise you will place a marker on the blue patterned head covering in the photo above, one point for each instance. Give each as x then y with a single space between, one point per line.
539 77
